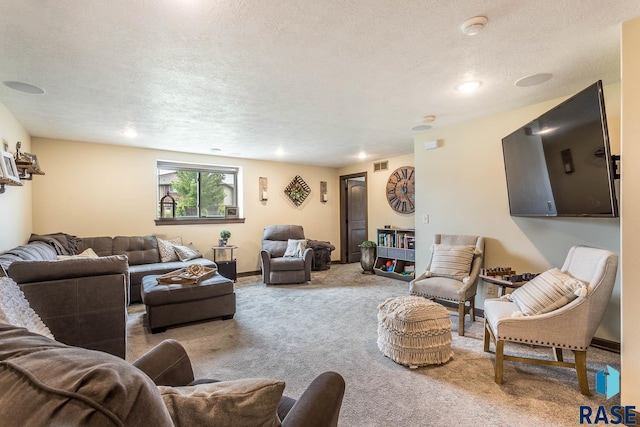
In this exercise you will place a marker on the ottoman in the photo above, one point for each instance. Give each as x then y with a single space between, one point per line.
172 304
414 331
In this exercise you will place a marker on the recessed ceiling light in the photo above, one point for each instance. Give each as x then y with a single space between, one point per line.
473 26
533 79
130 133
362 155
23 87
420 128
280 152
469 86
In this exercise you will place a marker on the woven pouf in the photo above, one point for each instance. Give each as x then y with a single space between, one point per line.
414 331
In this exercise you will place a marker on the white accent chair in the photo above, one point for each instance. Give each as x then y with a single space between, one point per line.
569 327
444 289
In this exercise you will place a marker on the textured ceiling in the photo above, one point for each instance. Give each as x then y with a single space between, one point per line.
319 80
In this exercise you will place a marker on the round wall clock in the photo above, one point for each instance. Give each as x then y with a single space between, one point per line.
400 190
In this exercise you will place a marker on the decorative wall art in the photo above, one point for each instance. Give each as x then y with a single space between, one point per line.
9 169
297 191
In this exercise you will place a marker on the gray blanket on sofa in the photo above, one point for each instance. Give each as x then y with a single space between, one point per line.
64 244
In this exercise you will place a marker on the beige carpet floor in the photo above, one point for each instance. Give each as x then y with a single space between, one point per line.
295 332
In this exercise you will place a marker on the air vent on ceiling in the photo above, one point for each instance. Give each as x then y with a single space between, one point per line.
381 166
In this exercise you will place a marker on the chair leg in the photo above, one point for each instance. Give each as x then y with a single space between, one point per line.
461 319
557 354
472 308
581 370
487 337
499 361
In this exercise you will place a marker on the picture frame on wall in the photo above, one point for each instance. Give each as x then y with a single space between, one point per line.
9 168
231 212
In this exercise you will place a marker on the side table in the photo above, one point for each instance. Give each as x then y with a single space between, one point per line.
501 283
226 267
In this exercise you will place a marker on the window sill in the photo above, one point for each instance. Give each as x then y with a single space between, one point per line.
194 221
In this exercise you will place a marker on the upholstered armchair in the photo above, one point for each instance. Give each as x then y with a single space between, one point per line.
554 310
284 255
452 274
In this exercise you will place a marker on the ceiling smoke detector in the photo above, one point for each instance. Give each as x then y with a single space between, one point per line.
473 26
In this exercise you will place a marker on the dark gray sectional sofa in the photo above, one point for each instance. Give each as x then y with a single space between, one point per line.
83 301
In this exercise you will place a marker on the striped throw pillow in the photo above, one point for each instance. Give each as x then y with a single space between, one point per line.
547 292
452 261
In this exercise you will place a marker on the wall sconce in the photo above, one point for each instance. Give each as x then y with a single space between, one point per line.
262 189
27 164
323 192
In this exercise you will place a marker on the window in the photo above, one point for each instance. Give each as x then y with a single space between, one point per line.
199 191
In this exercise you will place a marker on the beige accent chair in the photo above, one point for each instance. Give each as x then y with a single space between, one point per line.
453 291
278 269
569 327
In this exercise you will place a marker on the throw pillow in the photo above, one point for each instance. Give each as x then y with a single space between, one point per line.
547 292
185 253
15 309
453 262
295 248
167 250
247 402
87 253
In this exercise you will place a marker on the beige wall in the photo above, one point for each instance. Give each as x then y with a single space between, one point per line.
462 187
630 212
15 203
95 189
379 211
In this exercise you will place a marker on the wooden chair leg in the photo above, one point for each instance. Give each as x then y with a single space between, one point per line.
499 361
461 319
487 337
472 308
557 354
581 370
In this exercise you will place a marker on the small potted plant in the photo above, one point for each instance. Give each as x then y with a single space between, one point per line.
224 236
367 256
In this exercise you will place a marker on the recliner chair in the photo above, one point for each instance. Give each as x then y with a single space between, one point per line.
278 268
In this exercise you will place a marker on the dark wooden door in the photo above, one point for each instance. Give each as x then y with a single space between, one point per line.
355 215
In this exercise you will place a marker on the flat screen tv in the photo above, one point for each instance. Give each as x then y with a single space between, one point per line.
560 164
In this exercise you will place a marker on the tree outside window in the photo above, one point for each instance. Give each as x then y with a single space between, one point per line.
199 192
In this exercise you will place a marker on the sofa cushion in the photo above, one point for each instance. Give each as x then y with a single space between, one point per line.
240 403
287 264
87 253
295 247
187 253
167 249
452 261
15 309
139 249
103 246
45 382
546 292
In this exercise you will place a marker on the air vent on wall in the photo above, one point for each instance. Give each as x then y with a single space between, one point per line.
381 166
